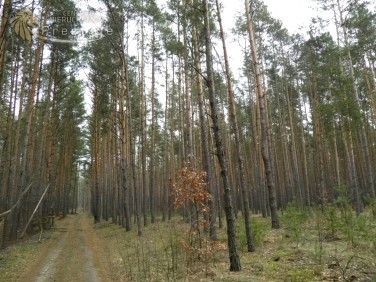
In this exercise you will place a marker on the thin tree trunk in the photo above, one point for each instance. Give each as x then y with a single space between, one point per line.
143 123
361 129
124 138
188 110
296 172
169 187
235 129
220 150
264 126
152 141
6 9
317 152
95 161
206 161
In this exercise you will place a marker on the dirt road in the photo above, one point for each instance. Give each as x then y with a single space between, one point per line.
77 254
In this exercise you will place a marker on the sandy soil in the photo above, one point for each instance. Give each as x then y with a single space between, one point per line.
77 254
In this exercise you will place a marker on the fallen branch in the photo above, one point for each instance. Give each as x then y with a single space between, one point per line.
35 210
18 201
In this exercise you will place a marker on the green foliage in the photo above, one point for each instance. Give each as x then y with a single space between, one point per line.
347 218
259 231
302 274
371 203
331 219
173 251
319 219
151 258
294 218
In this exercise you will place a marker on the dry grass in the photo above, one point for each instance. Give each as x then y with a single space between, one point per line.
16 257
161 254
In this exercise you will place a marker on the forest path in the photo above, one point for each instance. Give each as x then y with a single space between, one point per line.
77 254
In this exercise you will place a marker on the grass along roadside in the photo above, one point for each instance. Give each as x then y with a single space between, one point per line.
18 256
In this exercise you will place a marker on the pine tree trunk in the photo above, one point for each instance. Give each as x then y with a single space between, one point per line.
152 137
317 148
188 111
124 139
360 125
296 172
6 157
206 161
235 129
95 161
264 125
220 150
6 9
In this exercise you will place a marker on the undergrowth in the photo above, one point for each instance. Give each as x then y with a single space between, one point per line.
312 245
325 243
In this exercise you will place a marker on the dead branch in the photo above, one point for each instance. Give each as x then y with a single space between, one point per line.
35 210
18 201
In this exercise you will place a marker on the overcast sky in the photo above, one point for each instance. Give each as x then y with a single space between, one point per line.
293 13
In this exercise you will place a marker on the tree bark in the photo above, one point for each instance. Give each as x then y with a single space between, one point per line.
206 161
264 125
220 150
235 130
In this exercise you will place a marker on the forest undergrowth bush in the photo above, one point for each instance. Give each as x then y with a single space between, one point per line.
259 231
190 193
293 219
319 221
338 241
347 218
371 204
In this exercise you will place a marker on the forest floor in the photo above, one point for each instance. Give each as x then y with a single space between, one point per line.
309 247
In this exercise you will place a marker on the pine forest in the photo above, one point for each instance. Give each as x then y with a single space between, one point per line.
170 140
